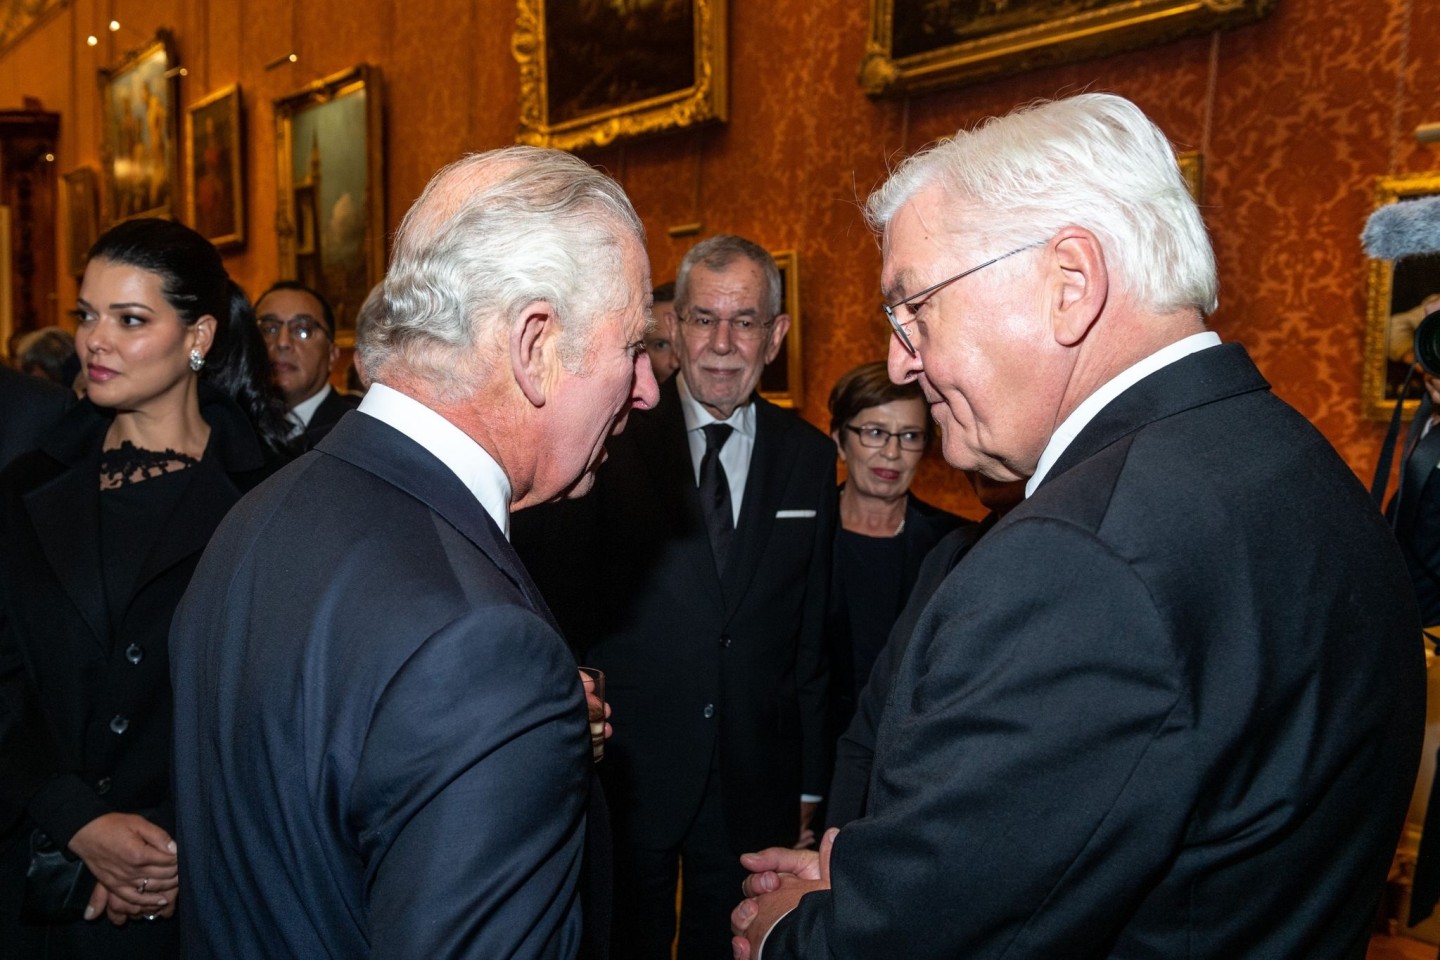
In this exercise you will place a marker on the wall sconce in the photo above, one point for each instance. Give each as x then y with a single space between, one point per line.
1428 132
282 60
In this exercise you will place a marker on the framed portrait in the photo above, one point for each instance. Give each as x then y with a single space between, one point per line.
919 45
138 111
331 211
1399 295
782 382
82 218
215 162
593 73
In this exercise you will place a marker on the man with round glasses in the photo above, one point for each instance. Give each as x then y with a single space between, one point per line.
1171 705
299 331
697 579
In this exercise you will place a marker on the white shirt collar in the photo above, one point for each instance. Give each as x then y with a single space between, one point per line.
742 418
1081 416
452 446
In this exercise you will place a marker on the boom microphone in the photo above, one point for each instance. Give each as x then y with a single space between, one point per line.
1403 229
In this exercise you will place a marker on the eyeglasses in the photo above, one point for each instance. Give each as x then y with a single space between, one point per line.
877 437
301 328
890 308
741 327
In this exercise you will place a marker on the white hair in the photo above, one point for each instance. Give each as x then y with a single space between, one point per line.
1094 161
718 252
491 233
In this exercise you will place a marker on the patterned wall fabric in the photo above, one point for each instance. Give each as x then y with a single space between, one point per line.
1310 105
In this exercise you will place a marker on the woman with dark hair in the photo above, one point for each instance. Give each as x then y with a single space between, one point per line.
102 527
881 430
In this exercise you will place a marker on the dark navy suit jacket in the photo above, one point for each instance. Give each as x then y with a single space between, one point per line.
381 745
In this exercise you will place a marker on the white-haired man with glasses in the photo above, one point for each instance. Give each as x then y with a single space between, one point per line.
696 576
1171 705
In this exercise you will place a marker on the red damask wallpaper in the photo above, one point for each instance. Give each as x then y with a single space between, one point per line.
1297 115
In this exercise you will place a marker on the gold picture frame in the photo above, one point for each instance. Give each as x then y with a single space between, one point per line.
628 72
1192 168
1393 304
215 164
921 45
82 218
329 140
782 382
138 153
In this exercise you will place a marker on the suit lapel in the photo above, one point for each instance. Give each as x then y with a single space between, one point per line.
380 449
1206 376
771 461
66 515
665 449
203 503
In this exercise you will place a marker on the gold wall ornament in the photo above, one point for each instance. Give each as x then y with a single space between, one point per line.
921 45
1192 169
597 73
1394 302
782 382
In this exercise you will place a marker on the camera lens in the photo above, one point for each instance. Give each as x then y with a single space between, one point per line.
1427 344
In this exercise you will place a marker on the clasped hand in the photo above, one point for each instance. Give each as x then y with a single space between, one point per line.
779 877
135 864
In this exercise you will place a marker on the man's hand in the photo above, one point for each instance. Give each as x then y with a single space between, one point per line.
779 877
135 863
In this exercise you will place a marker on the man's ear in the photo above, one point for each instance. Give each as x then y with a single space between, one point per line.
778 329
1082 284
534 334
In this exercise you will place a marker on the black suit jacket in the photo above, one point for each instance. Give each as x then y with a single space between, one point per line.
85 713
1170 706
381 740
331 409
29 407
695 659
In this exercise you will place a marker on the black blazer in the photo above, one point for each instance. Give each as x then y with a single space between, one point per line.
692 657
379 733
29 407
85 728
331 409
1160 710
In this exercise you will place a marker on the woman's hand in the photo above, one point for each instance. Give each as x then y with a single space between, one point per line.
134 861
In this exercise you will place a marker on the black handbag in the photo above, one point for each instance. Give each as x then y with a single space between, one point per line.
57 884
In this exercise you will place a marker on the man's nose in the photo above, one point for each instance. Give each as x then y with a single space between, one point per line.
902 365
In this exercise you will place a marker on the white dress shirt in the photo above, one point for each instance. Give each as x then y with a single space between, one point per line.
734 456
1081 416
452 446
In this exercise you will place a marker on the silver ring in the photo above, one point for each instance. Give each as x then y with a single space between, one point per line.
150 916
144 882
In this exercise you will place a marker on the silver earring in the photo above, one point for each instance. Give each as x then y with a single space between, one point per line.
197 360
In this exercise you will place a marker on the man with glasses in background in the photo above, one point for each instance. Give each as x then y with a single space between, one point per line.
696 576
299 331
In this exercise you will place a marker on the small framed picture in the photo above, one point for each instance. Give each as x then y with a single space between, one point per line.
215 162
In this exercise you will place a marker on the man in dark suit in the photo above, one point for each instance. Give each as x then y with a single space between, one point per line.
382 745
299 330
29 407
1170 705
708 543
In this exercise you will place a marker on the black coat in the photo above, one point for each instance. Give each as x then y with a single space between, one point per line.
331 409
29 407
691 657
1157 711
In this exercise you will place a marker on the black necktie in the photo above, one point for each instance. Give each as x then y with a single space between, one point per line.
715 492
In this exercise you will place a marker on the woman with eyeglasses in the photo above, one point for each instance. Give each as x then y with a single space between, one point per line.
881 430
102 527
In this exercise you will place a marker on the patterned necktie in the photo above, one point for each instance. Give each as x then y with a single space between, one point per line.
715 492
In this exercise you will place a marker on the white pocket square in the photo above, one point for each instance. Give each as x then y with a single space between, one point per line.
794 514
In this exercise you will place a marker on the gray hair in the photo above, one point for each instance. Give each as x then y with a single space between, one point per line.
491 233
1094 161
717 253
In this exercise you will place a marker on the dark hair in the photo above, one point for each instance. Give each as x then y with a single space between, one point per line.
48 353
869 385
326 313
195 284
665 293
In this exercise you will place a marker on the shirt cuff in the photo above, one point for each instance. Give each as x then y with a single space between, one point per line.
811 798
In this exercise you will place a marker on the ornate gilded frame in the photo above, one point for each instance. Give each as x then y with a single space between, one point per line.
782 382
222 107
1015 40
300 217
702 101
154 70
1381 376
